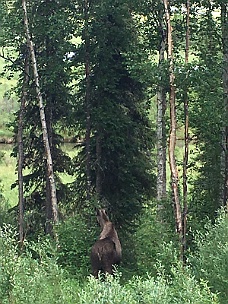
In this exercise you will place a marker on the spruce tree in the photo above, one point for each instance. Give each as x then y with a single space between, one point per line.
121 137
50 30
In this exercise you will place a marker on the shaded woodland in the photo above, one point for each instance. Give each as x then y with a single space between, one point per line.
140 88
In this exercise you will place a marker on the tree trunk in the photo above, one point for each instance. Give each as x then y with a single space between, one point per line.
48 204
172 136
21 149
87 101
161 109
42 117
186 133
224 23
98 167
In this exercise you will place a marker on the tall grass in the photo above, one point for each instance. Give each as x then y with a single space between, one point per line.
8 174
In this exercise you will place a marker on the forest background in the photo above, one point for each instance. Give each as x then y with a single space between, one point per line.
140 90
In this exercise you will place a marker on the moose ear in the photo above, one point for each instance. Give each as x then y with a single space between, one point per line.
103 211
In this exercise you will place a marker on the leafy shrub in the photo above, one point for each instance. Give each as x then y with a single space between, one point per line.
6 217
107 291
184 288
152 244
210 262
8 258
181 289
75 241
32 276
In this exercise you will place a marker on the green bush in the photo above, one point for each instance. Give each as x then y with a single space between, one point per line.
154 244
107 291
75 241
184 288
6 217
181 289
210 262
34 277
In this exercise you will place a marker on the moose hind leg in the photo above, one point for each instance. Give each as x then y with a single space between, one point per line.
95 273
95 263
108 269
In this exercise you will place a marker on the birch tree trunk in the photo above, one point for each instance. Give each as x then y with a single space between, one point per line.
42 117
186 132
161 109
224 24
172 136
48 203
21 150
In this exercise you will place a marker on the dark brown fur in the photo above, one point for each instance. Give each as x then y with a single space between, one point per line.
107 250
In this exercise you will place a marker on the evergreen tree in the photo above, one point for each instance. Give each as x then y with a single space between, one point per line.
121 135
51 31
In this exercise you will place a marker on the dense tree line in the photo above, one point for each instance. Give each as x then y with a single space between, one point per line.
140 89
101 65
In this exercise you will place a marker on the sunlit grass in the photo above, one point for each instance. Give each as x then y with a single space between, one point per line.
8 175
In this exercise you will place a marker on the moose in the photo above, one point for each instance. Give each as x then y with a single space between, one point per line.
107 250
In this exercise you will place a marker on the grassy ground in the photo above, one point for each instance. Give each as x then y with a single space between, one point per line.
8 175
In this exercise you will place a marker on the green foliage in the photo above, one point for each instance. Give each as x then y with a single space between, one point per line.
108 291
8 104
154 244
210 262
206 120
8 175
75 237
119 123
182 289
51 31
5 217
32 274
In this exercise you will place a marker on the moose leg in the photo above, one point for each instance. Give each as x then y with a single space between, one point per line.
108 269
95 273
95 261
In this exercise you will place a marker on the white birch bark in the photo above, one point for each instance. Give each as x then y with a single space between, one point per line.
172 136
161 132
42 116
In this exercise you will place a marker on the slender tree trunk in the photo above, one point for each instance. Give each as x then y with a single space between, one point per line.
48 204
161 109
87 101
21 149
224 23
172 136
186 132
98 166
42 117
